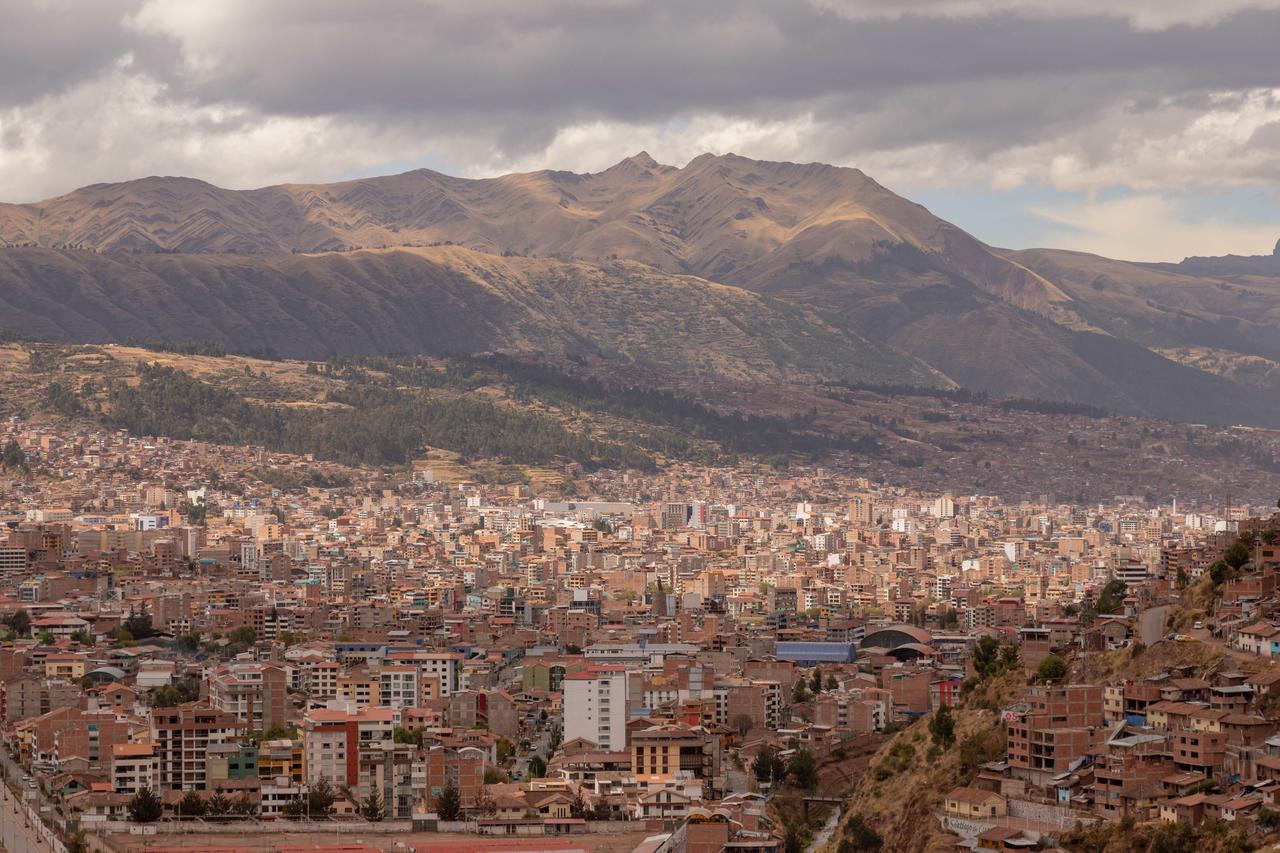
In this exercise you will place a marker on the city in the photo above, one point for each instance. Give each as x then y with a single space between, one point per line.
639 426
186 644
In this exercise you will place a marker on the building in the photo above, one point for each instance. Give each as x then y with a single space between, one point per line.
675 751
134 766
182 737
256 693
595 707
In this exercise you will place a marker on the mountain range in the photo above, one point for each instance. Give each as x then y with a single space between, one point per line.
728 266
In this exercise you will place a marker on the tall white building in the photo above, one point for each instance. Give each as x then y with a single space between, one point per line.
595 707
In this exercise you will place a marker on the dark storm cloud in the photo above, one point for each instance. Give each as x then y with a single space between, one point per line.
640 61
492 83
49 45
518 71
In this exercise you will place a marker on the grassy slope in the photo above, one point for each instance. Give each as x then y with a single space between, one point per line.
442 300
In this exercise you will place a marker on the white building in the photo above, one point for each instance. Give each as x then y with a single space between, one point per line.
595 707
134 766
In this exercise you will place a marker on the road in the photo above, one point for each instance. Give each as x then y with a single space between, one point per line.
736 781
15 833
1152 624
520 770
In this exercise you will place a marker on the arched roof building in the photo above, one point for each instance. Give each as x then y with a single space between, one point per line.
893 636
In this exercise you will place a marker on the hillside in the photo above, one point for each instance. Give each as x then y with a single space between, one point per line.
726 266
436 301
926 439
899 796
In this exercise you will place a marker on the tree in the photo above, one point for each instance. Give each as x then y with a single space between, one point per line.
245 635
19 622
402 735
318 803
799 693
218 806
768 766
815 682
1052 668
371 808
45 637
1111 597
804 769
244 806
943 727
1237 555
1218 571
741 723
12 457
191 805
578 807
484 804
172 695
1182 578
859 837
79 842
320 799
505 749
145 807
139 626
832 684
537 767
279 731
986 656
449 803
793 841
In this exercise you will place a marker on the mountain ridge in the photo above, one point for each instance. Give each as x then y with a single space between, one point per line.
829 247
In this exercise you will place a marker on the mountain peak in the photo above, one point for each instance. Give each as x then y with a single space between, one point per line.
641 162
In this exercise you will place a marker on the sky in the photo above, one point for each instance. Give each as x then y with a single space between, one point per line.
1144 130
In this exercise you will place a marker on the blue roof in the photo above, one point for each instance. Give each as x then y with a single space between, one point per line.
819 652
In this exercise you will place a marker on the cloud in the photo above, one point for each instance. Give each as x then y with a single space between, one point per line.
1145 14
1158 96
1152 228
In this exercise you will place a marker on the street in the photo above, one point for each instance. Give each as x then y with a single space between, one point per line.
1152 624
541 744
16 835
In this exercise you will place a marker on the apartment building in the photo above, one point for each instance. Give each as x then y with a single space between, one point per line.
398 686
442 766
673 752
595 707
336 742
182 737
1053 727
134 766
256 693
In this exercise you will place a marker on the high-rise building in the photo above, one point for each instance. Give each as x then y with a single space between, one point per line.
595 707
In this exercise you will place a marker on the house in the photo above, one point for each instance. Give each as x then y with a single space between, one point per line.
662 804
974 804
1007 838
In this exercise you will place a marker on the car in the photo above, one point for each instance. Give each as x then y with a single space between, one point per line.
1185 638
1199 626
